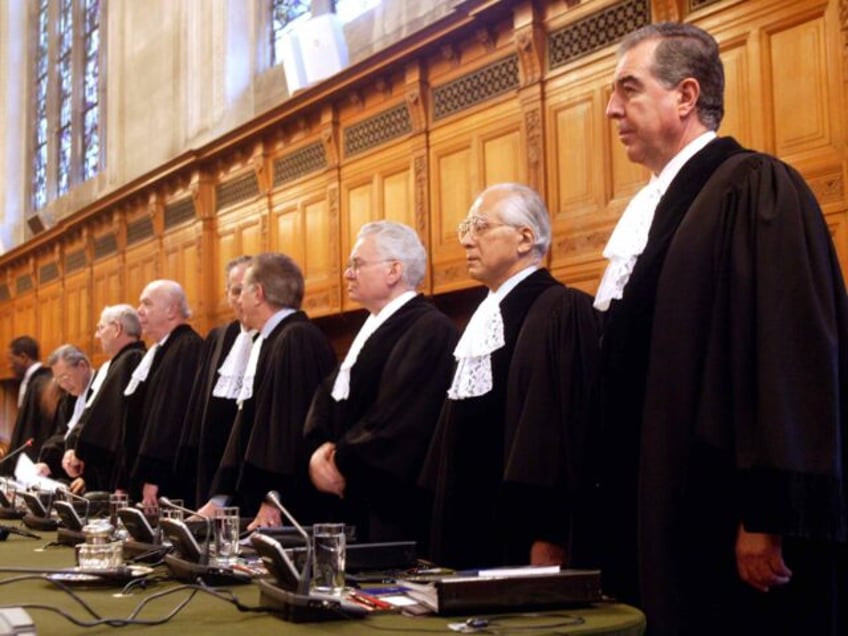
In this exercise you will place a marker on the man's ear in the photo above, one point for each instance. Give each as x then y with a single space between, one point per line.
395 272
688 92
527 240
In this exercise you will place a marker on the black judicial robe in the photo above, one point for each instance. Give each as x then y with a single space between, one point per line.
506 466
34 419
53 449
383 429
724 391
168 388
108 431
209 419
265 450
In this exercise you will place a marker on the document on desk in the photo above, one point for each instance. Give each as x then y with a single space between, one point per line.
26 475
538 588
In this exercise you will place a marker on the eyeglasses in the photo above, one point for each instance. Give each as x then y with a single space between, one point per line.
101 326
476 225
356 264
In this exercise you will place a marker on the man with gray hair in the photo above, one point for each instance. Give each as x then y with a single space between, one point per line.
165 374
108 431
508 448
371 421
288 359
72 374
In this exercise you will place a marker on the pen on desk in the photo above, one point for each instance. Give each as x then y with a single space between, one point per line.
370 601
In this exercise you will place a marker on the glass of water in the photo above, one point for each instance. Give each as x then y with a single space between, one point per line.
328 558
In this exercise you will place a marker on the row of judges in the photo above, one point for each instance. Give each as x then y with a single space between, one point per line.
684 430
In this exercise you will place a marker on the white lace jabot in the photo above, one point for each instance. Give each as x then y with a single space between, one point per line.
630 236
141 372
483 335
231 373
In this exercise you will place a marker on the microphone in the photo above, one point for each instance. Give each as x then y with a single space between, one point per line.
204 554
17 451
299 606
273 498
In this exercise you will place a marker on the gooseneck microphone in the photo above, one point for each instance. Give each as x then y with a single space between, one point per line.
20 449
204 555
273 498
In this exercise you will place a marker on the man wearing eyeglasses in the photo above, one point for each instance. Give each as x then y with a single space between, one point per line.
371 421
107 435
72 375
505 461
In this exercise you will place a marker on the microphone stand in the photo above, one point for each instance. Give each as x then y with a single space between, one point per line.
185 570
67 535
20 449
204 555
8 510
300 606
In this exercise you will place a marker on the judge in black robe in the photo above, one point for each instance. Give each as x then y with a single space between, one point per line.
209 419
505 463
107 435
724 392
163 312
374 437
212 406
265 450
35 418
53 449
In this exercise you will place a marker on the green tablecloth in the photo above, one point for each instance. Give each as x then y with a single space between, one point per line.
205 614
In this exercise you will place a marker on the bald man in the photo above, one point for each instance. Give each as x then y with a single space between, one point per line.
166 375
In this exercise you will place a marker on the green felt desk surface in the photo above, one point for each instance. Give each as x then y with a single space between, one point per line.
205 614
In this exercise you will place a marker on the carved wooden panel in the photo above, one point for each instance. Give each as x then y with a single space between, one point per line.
304 225
79 323
142 266
7 333
238 231
742 107
50 318
182 263
800 98
107 288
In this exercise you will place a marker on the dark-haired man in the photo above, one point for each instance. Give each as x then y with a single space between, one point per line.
724 368
35 406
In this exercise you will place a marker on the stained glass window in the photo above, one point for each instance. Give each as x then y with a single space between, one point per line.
66 131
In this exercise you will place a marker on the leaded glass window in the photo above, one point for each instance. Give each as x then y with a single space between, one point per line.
66 134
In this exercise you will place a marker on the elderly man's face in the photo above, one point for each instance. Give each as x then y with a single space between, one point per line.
648 114
73 378
368 275
491 246
155 311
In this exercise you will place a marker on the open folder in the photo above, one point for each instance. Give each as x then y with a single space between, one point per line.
26 475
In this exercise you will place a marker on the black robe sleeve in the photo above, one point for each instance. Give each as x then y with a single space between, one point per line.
35 417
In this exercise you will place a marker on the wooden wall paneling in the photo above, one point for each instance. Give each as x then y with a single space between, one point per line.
50 316
466 155
183 262
237 231
79 324
304 225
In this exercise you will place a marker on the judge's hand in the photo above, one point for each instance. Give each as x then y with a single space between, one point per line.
150 496
544 553
759 560
323 472
78 486
72 464
42 469
208 509
267 517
